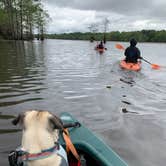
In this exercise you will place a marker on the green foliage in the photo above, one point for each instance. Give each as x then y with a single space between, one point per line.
4 24
3 17
141 36
19 18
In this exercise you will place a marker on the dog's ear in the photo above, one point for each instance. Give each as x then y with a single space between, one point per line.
18 119
55 122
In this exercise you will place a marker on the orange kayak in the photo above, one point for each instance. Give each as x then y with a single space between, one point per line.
130 66
100 50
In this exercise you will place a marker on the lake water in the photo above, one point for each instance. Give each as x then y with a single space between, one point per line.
70 76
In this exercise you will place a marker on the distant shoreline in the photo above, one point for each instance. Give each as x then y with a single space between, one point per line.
141 36
151 36
9 40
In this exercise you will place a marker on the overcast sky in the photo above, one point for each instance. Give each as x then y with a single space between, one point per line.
123 15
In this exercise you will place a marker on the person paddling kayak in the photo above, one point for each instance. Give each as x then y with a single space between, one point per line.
132 53
101 45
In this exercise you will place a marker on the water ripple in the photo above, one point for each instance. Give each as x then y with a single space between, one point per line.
74 79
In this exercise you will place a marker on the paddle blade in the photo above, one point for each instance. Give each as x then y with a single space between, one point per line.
155 66
119 46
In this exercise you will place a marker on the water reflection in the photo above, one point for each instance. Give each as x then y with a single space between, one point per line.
22 70
4 104
6 116
126 108
5 131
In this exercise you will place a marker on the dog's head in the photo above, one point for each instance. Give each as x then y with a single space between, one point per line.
39 120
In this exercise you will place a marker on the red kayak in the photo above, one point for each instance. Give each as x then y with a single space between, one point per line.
130 66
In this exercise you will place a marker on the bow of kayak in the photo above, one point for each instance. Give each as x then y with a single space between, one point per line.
130 66
88 145
100 50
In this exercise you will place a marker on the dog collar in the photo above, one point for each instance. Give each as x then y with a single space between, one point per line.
25 156
20 157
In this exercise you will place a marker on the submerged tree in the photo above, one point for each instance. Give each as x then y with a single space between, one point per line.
41 18
93 29
105 23
19 18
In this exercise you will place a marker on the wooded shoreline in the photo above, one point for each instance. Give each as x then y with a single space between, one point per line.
20 19
141 36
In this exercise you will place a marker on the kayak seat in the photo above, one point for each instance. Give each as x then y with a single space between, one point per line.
77 163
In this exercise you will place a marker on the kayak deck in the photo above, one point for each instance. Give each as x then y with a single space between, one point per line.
95 151
130 66
100 50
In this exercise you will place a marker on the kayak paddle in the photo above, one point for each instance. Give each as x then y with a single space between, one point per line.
119 46
154 66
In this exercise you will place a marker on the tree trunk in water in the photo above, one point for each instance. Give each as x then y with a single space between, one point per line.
104 40
8 7
17 33
30 32
21 21
42 33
